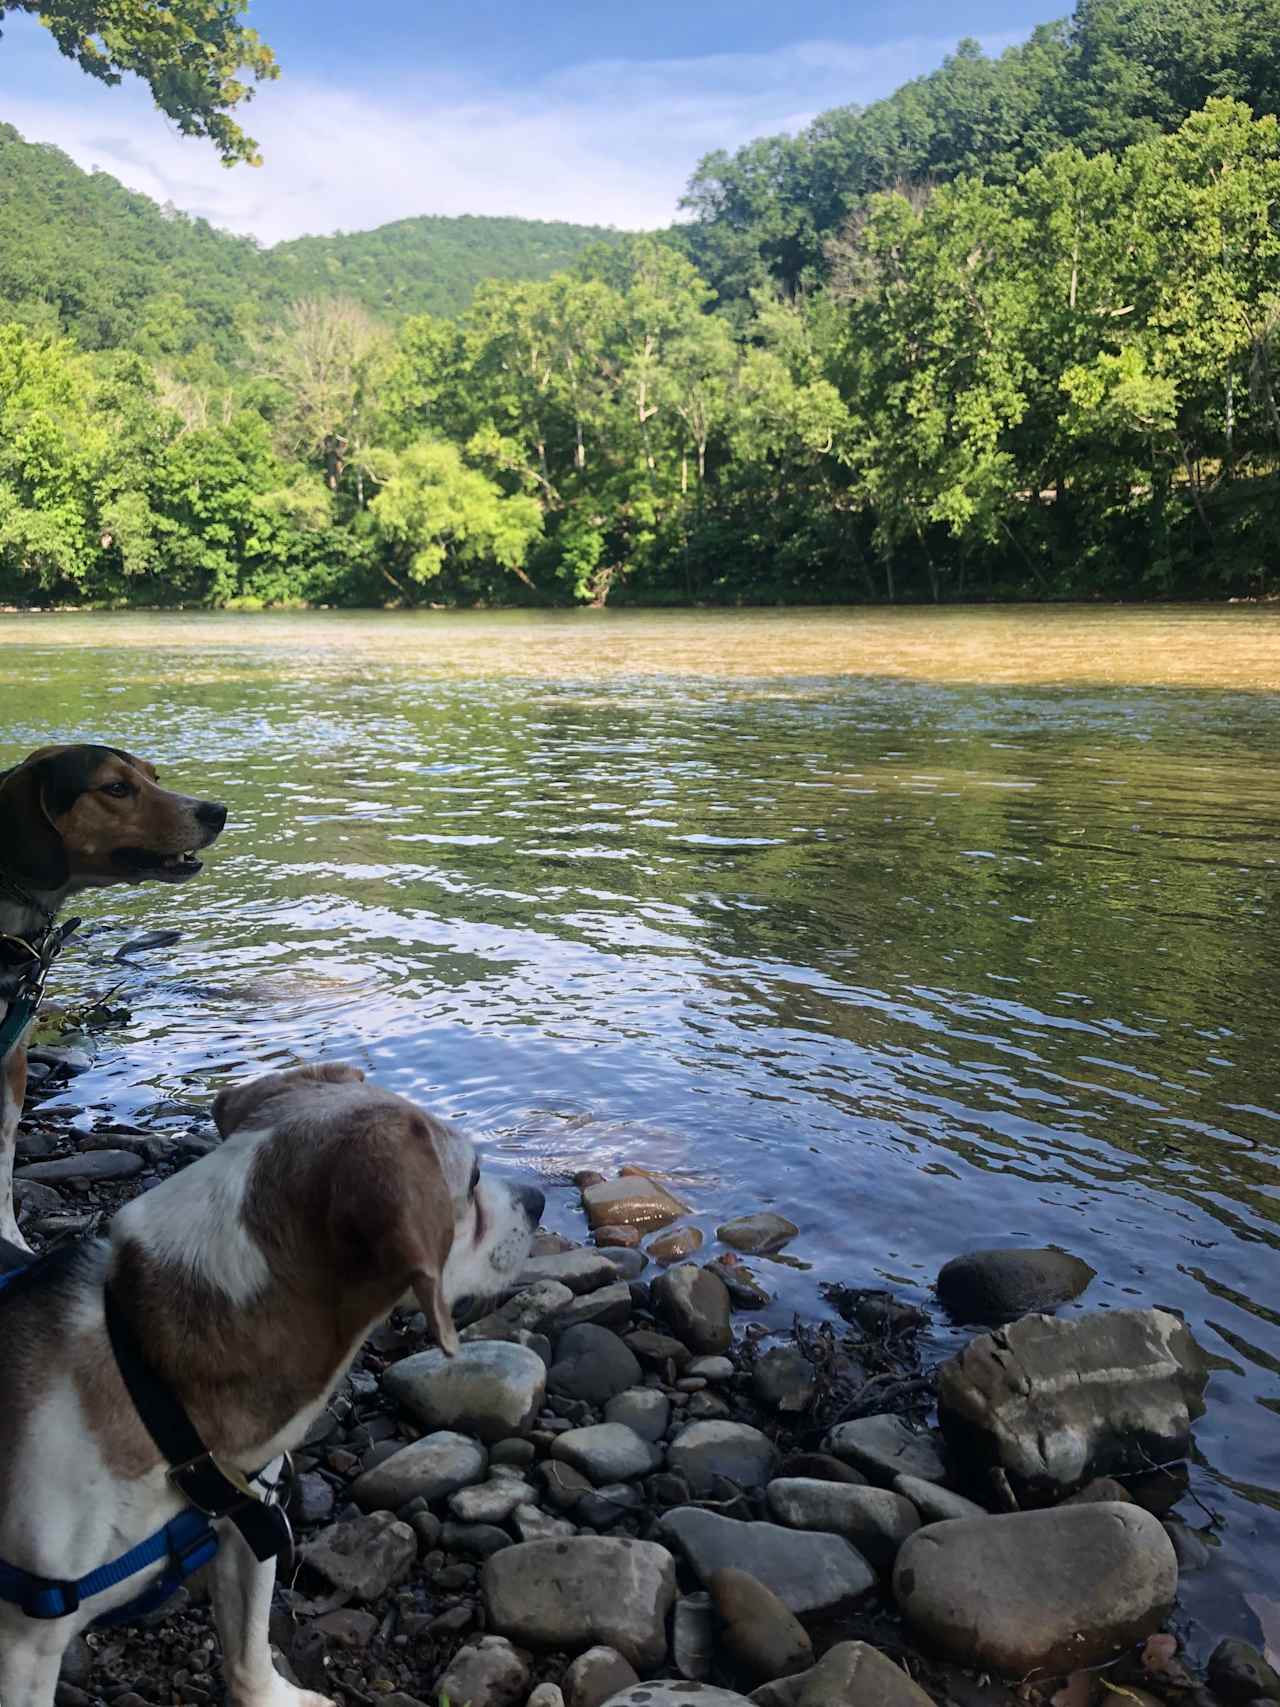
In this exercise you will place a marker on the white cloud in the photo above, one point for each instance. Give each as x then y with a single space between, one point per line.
607 143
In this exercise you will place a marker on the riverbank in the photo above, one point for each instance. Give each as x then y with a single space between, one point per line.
621 1429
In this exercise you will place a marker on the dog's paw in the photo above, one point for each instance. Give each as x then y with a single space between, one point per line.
281 1693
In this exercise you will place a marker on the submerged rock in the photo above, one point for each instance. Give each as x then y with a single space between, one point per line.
633 1201
758 1235
1047 1591
997 1285
1055 1402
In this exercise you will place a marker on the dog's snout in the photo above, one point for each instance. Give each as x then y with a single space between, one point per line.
212 814
531 1200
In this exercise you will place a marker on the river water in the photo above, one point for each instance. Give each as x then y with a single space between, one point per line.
932 930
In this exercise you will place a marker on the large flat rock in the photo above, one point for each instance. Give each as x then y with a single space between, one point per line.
1037 1591
575 1593
1055 1403
490 1389
807 1572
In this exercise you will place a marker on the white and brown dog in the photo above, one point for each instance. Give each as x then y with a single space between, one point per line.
249 1281
74 818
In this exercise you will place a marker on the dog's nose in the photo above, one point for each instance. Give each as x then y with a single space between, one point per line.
531 1200
212 814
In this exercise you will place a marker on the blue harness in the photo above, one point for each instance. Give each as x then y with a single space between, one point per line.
187 1542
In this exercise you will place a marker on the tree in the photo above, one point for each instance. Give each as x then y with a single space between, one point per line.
321 361
191 53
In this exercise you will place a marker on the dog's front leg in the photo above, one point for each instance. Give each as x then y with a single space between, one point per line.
13 1089
30 1657
241 1591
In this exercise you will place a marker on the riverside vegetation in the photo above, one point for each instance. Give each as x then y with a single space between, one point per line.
1014 331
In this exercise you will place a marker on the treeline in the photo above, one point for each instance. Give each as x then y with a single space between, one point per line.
1058 379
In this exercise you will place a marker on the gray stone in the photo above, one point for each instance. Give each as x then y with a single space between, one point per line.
632 1201
530 1524
643 1409
712 1368
1047 1591
431 1468
582 1270
745 1291
490 1502
607 1452
935 1504
88 1165
491 1389
61 1059
630 1264
696 1304
784 1380
693 1635
758 1235
1053 1402
808 1572
876 1521
665 1692
312 1500
593 1588
607 1307
1239 1673
365 1557
546 1695
851 1674
592 1364
603 1507
884 1447
595 1676
997 1285
474 1540
706 1450
530 1311
32 1198
565 1486
762 1637
490 1674
512 1453
657 1349
821 1467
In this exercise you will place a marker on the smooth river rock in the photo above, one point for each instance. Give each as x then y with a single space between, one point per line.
677 1692
633 1201
808 1572
876 1521
607 1452
581 1270
488 1674
592 1363
696 1304
997 1285
1054 1402
575 1593
1047 1591
491 1389
763 1638
758 1235
852 1674
431 1468
705 1450
883 1447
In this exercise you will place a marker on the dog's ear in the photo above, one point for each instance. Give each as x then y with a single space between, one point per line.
236 1104
392 1218
144 765
33 849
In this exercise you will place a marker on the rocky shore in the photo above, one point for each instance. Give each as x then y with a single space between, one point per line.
624 1491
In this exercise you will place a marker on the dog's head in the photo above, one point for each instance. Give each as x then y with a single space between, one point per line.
387 1198
84 816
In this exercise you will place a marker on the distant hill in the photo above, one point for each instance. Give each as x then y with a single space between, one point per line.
428 265
81 254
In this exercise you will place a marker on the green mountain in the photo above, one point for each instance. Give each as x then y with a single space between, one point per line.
81 254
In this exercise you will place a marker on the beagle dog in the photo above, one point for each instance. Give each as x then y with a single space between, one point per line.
73 818
249 1281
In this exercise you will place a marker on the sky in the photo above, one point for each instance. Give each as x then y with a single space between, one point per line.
595 111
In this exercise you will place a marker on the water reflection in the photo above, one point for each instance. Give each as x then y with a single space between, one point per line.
933 930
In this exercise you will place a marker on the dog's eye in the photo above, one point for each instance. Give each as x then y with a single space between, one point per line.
475 1181
117 790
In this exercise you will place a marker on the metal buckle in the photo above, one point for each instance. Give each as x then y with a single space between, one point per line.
205 1462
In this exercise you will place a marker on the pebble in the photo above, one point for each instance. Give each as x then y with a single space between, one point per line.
617 1238
807 1571
596 1675
763 1638
433 1468
1037 1591
490 1389
565 1486
592 1364
518 1453
876 1521
884 1447
713 1368
474 1540
675 1244
607 1452
591 1589
630 1264
652 1347
705 1450
531 1524
745 1291
696 1304
693 1635
363 1558
88 1165
531 1310
312 1500
997 1285
643 1409
546 1695
758 1235
490 1674
784 1380
36 1199
490 1502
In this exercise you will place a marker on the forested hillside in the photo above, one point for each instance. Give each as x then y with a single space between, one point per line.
1014 332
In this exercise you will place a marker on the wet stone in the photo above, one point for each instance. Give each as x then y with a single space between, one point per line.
696 1305
633 1201
758 1235
999 1285
675 1244
784 1380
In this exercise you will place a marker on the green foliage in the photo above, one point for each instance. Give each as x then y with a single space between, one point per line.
192 53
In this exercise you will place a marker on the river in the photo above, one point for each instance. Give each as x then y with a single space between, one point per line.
930 929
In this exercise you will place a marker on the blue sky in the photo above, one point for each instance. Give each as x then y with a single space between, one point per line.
554 110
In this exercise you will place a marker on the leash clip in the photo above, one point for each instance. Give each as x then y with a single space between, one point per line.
197 1479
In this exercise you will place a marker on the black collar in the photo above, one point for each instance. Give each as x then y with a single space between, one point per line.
32 903
193 1469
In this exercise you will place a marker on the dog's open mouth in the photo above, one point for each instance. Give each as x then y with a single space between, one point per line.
168 867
